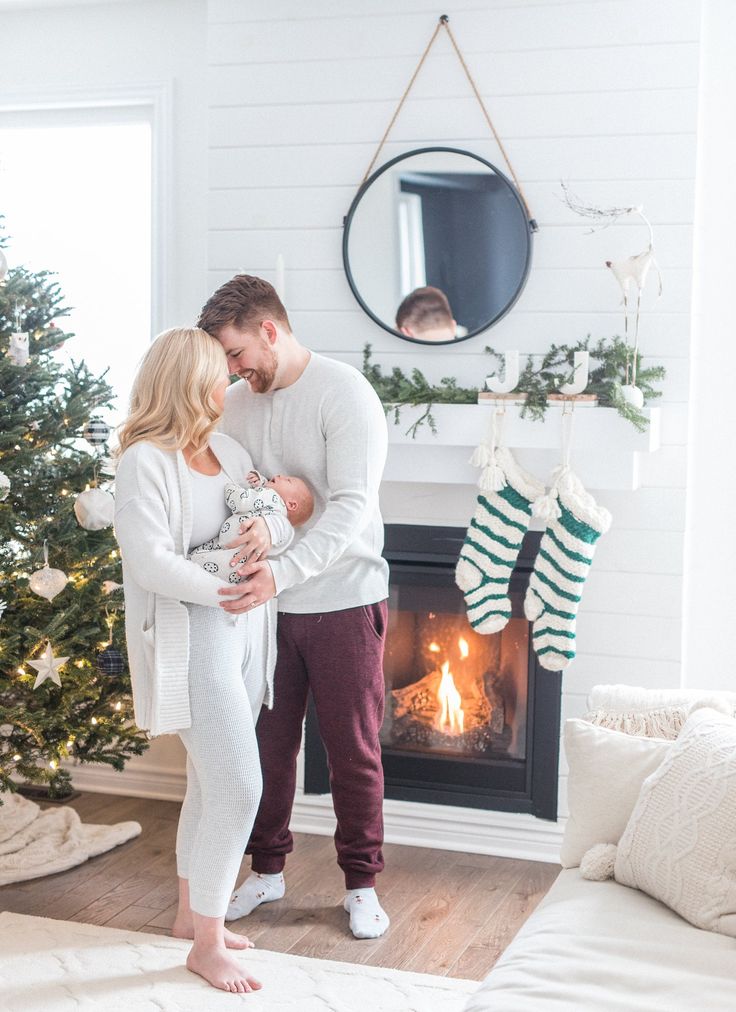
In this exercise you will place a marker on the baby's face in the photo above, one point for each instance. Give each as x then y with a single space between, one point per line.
288 487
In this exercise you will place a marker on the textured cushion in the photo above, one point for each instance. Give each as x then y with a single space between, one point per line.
607 769
653 713
680 843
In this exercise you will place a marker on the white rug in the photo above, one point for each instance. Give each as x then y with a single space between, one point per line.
50 965
35 841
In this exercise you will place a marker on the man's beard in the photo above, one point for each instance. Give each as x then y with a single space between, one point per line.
260 380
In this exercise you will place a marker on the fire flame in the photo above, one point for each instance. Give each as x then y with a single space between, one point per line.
434 648
464 648
451 719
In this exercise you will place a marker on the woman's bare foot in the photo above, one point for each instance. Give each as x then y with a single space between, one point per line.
219 969
184 928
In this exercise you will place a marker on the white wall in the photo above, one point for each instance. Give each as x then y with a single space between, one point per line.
710 596
602 94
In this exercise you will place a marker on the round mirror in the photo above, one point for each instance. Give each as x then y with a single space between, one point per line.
437 245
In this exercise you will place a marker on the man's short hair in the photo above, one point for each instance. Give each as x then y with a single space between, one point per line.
424 309
243 302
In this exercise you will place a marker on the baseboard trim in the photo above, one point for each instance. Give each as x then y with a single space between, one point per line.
440 827
136 780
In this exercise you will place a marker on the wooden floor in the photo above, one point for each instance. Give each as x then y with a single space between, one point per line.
451 914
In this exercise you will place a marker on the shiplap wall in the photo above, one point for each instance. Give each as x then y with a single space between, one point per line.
600 93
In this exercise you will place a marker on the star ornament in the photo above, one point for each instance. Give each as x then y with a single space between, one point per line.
48 666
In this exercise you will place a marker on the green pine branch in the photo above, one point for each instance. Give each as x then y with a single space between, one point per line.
398 390
44 406
539 377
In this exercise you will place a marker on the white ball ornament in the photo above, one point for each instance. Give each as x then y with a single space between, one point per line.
48 582
633 395
4 486
18 349
94 509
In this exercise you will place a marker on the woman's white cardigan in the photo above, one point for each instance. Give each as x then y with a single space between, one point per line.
153 523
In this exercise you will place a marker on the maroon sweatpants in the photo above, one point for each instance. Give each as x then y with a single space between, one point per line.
339 656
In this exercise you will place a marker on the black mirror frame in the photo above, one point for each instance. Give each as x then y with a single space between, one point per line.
347 221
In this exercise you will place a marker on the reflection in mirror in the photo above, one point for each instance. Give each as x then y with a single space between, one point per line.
437 245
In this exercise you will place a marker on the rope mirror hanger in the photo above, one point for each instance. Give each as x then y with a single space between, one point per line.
444 23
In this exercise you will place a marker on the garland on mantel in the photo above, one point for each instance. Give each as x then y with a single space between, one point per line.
539 378
399 390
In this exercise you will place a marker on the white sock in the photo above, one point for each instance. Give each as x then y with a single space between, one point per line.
368 919
253 891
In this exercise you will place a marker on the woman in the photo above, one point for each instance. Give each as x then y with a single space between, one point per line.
195 669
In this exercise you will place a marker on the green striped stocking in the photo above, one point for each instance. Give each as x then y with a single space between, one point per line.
492 543
574 524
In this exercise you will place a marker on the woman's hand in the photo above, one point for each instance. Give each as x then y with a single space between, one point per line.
259 587
254 540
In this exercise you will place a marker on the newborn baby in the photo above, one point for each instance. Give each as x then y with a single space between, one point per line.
284 495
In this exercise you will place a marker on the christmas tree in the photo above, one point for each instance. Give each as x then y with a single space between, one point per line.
64 687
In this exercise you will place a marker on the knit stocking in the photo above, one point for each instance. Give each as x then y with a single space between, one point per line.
494 537
574 524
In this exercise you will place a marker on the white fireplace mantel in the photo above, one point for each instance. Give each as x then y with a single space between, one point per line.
605 447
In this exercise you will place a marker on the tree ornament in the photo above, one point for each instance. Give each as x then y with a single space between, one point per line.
3 266
47 582
6 730
4 486
109 587
96 432
18 349
110 662
48 666
3 606
94 509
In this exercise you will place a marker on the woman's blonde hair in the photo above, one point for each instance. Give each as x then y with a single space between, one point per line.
171 403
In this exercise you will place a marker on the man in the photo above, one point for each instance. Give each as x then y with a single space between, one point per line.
425 315
300 413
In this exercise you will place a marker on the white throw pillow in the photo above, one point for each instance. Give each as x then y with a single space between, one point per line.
653 713
607 769
680 843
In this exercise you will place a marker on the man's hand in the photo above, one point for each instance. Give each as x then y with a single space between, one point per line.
258 588
254 540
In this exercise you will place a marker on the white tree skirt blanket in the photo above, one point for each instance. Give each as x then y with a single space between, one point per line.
35 842
48 965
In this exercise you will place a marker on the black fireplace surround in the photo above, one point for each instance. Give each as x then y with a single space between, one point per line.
500 749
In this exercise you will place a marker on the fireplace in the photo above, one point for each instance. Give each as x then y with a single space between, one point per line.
471 719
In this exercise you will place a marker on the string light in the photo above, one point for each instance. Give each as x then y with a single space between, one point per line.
16 758
118 706
94 720
53 764
79 664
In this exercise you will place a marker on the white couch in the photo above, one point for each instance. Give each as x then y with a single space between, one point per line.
602 946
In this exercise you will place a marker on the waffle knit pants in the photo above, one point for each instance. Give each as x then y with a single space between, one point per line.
227 683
